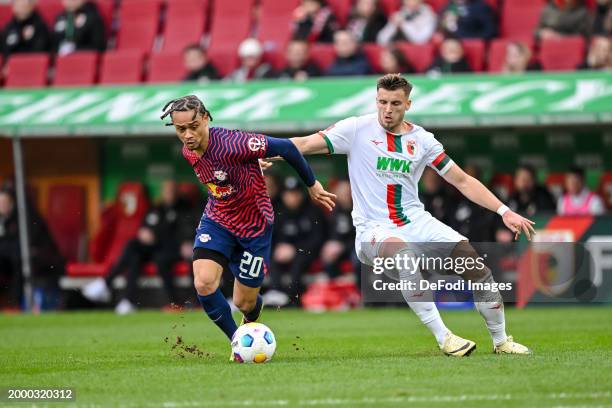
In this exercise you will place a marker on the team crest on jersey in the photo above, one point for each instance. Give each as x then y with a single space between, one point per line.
220 175
411 147
220 191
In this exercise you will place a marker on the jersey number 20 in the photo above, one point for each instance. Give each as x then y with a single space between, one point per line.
250 264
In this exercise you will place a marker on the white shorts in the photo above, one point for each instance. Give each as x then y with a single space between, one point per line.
425 229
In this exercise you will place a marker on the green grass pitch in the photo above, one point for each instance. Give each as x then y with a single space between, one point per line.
372 357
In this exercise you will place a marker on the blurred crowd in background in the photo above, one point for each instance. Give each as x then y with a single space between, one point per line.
312 40
307 240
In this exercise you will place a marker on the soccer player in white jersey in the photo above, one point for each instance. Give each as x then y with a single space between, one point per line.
386 158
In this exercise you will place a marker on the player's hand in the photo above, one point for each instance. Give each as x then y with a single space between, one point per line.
319 195
518 224
265 164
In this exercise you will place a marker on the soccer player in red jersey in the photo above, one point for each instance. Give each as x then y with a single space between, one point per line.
235 231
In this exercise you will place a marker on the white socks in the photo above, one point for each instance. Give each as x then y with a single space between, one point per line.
493 314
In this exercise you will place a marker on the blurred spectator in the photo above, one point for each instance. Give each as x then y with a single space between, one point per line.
451 59
518 57
298 230
350 60
599 56
197 64
272 185
160 239
298 66
393 61
603 18
340 244
564 17
80 27
578 199
414 22
26 31
251 62
434 196
469 19
470 219
46 262
314 22
366 20
529 198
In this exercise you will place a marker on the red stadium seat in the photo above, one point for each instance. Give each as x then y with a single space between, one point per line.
563 54
131 10
166 67
27 71
389 6
225 60
605 188
6 13
276 58
497 52
323 55
502 185
138 35
437 5
49 10
372 52
66 218
106 9
131 205
520 19
274 26
231 23
341 9
183 31
78 68
420 56
121 67
474 53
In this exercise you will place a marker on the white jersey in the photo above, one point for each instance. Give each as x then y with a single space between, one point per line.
385 168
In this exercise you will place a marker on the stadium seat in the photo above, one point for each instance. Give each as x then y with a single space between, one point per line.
66 218
131 205
555 183
519 19
231 23
166 67
437 5
138 35
78 68
181 32
341 9
274 26
276 58
185 24
225 60
419 56
372 52
121 67
502 184
497 52
106 9
134 10
389 6
474 53
49 10
323 55
27 71
605 189
563 54
6 14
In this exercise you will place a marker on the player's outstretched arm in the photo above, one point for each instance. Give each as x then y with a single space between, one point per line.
476 192
288 151
311 144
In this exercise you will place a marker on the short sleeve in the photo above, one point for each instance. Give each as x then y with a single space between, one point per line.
250 146
436 157
340 136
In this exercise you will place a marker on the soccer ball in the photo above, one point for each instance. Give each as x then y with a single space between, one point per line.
253 343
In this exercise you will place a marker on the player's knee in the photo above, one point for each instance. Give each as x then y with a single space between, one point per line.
205 282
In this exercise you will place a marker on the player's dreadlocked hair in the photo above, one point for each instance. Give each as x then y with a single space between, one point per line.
391 82
186 103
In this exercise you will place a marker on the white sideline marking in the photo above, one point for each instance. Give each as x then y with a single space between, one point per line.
350 402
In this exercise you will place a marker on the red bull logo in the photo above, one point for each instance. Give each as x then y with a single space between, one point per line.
220 191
